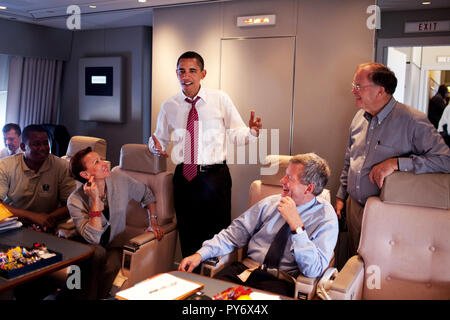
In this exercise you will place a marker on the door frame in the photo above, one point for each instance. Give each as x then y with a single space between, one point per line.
382 45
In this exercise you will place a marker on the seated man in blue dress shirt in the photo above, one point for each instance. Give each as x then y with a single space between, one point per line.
311 236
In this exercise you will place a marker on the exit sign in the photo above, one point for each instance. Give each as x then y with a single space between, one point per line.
443 59
427 26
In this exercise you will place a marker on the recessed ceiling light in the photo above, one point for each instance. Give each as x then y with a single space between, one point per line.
426 2
142 1
3 8
92 6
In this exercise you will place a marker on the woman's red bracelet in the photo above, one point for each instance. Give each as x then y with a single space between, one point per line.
95 214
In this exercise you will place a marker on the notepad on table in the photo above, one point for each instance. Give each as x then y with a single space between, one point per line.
163 286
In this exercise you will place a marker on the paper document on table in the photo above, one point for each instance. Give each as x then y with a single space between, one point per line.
263 296
9 223
160 287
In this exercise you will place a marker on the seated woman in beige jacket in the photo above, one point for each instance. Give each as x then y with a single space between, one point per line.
98 208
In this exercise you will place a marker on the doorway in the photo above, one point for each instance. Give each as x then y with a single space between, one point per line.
419 70
258 74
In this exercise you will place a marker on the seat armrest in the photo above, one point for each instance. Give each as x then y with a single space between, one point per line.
348 284
305 287
135 243
305 280
144 256
213 266
142 239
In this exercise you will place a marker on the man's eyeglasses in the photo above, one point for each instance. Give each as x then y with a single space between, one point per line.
358 88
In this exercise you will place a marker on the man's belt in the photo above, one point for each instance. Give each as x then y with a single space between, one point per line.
252 265
210 167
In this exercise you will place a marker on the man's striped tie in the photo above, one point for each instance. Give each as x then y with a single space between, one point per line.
191 143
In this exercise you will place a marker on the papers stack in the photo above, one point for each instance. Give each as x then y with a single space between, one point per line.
7 221
160 287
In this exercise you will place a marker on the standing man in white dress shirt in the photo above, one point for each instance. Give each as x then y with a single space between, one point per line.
11 136
202 181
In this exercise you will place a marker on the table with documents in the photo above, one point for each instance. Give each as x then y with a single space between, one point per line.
178 285
72 253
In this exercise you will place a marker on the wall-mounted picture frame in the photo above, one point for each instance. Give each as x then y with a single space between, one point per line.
100 89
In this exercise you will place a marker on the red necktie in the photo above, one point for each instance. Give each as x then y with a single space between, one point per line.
191 143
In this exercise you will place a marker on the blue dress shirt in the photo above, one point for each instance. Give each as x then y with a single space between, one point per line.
309 252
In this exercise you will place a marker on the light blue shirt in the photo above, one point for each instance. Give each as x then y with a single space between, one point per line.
309 252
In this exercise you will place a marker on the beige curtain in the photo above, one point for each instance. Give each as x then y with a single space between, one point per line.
33 90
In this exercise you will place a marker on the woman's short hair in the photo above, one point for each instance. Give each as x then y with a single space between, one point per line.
76 164
315 171
381 76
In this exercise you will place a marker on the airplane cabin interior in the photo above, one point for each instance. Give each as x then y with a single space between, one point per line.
109 84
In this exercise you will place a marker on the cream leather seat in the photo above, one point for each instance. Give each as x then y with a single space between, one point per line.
143 255
77 143
404 251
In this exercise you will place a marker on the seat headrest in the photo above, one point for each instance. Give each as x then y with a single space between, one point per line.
78 143
137 157
275 169
424 190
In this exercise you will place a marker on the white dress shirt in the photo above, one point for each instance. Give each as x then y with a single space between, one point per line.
5 152
219 123
445 119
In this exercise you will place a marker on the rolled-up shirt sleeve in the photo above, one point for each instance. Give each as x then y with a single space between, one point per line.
313 251
162 132
430 153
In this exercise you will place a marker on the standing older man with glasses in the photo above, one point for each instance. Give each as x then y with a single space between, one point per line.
385 136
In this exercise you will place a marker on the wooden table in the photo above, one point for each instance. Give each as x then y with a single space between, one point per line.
72 253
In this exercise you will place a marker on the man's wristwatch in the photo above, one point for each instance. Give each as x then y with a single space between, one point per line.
299 230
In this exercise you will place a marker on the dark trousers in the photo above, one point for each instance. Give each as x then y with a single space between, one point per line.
97 274
258 279
102 269
202 206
